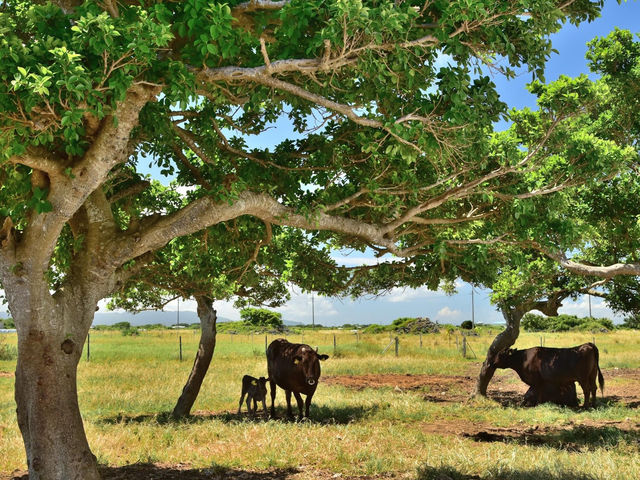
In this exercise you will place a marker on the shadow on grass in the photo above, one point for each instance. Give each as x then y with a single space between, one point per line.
319 414
146 471
513 399
575 439
449 473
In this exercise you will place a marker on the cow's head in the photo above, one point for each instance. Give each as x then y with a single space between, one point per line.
503 358
306 360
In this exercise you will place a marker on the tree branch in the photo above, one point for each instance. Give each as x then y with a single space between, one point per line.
69 193
608 271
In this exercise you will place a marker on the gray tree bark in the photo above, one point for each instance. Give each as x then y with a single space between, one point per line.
50 341
503 340
513 315
207 315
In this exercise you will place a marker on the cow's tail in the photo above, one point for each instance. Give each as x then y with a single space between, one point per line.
600 377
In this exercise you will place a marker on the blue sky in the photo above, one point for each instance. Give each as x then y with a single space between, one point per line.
571 45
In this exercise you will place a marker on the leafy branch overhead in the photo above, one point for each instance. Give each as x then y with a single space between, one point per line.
391 109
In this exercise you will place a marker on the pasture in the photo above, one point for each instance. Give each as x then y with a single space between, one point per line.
373 416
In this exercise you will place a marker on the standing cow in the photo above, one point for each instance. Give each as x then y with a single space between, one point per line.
547 368
256 391
294 367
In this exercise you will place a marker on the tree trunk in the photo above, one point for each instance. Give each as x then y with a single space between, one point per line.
201 364
50 344
503 340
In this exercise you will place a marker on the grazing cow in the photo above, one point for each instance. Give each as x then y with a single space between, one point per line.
548 368
563 395
255 389
294 367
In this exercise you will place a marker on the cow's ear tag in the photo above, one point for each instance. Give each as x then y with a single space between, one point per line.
296 361
253 382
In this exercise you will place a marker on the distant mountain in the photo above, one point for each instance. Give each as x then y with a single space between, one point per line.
292 324
146 318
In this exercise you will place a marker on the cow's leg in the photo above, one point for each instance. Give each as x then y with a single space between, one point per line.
300 404
241 400
264 407
255 405
307 404
272 385
249 405
586 391
287 394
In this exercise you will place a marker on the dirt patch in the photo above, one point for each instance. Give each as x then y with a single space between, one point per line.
6 374
507 389
148 471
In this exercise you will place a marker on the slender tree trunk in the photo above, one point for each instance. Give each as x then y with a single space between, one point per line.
503 340
201 364
50 344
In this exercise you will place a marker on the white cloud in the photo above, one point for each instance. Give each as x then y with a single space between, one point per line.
580 308
399 294
354 261
184 189
447 313
298 309
348 260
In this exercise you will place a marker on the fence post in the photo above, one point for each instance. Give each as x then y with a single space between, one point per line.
594 340
180 341
88 346
420 340
464 346
541 340
265 344
457 344
334 344
397 345
357 337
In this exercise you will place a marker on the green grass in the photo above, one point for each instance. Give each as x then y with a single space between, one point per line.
131 383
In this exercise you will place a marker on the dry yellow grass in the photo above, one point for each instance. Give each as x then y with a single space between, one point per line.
132 382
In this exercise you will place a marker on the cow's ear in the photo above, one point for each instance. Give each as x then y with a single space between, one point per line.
323 356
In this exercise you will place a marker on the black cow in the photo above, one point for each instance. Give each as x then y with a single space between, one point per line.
548 368
294 367
256 390
563 395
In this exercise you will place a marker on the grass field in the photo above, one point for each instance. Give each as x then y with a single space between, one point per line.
374 415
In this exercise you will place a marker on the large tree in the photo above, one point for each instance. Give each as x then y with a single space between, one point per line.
391 150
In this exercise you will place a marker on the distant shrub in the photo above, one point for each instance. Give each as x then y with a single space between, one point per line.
130 332
8 322
261 317
7 352
375 328
632 321
121 326
532 322
467 325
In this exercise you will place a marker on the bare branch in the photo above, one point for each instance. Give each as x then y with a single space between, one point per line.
38 160
253 5
134 189
607 271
